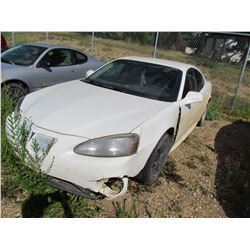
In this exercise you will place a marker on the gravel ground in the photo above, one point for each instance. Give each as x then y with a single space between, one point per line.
206 176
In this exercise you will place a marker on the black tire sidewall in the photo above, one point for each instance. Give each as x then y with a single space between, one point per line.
203 118
146 175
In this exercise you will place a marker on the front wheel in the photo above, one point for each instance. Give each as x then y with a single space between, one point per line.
201 122
15 90
155 163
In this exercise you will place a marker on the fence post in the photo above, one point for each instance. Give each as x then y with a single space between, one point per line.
13 39
156 42
92 43
46 37
241 77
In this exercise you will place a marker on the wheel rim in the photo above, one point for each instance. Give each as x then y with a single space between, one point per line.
15 93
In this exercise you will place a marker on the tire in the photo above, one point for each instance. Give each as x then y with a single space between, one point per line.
151 171
15 90
201 122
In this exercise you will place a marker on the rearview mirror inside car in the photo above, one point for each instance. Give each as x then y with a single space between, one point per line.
89 73
192 97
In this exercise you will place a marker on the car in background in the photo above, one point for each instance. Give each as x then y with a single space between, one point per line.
237 58
29 67
120 121
4 44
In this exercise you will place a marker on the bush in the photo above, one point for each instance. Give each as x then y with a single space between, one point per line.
29 179
40 199
213 112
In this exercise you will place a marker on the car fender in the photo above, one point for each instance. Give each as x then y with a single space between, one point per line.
150 133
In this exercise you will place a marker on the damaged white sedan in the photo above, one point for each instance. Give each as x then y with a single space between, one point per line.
120 122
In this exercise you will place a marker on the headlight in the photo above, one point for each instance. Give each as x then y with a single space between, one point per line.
109 146
19 103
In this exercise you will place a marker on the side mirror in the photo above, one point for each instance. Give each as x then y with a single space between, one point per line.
43 64
89 73
192 97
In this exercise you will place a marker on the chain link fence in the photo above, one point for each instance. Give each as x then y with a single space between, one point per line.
222 57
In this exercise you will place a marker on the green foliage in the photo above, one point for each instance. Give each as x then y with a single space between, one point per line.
213 112
21 174
219 107
122 211
15 157
242 108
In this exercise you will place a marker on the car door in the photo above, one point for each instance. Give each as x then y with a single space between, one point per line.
190 113
56 66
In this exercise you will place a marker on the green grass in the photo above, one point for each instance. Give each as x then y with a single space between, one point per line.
122 211
221 107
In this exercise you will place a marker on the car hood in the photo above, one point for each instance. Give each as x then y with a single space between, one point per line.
80 109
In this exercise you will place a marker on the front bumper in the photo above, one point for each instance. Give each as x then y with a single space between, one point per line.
73 188
86 172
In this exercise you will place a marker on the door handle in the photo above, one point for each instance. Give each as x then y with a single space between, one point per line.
74 71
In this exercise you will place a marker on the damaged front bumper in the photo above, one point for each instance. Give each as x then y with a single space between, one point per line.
82 175
105 193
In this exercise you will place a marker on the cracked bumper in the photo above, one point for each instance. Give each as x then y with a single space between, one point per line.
81 171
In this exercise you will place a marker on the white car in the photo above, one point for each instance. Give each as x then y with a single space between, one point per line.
120 122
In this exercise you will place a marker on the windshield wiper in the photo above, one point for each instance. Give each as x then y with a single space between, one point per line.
7 61
103 85
88 81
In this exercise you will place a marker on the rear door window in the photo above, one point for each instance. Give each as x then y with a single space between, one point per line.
80 58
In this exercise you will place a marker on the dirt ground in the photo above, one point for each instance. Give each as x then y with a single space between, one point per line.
206 176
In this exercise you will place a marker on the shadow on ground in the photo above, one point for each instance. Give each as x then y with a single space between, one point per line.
35 206
232 145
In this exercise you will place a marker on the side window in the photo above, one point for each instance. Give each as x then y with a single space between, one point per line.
199 80
190 83
58 57
80 58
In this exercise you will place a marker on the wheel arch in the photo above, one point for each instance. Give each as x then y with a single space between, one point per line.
170 131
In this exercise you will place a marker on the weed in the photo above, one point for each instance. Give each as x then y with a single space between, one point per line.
175 207
213 112
15 156
169 173
203 190
191 164
122 211
21 172
202 157
206 172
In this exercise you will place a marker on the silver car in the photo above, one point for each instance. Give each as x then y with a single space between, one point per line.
28 67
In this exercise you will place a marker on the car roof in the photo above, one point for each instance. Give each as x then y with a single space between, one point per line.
50 46
164 62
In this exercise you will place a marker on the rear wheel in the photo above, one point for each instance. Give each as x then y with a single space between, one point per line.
15 90
155 163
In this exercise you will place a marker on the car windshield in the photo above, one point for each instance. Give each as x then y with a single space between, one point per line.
139 78
24 55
